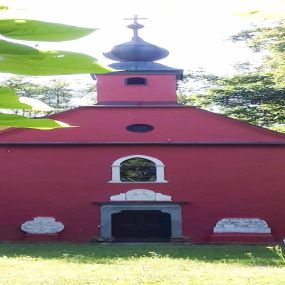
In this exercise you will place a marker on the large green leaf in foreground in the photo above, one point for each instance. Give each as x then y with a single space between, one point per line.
50 63
11 120
32 30
7 47
9 100
25 60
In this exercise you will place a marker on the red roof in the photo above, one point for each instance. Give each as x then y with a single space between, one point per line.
175 124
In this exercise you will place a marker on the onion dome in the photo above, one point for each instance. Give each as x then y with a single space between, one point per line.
137 49
137 54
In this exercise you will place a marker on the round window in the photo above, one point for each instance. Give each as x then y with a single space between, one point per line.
140 128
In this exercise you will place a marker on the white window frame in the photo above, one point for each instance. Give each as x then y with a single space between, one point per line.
116 178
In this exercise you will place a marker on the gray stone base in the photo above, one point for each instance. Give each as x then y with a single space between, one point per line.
107 210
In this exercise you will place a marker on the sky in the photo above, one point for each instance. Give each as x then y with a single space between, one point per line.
195 32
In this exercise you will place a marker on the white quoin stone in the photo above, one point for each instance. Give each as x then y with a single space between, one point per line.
42 225
140 195
241 225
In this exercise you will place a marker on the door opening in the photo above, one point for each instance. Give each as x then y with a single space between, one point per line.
141 225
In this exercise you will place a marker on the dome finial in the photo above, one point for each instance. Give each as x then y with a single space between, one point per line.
135 26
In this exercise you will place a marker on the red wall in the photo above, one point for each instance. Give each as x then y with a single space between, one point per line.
111 88
171 125
215 181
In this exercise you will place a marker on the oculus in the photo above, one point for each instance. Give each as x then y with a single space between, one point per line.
140 128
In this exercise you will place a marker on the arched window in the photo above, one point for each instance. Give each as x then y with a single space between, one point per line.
137 168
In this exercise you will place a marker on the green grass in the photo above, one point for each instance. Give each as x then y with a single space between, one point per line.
165 264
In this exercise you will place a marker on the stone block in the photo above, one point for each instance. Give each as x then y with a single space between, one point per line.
241 225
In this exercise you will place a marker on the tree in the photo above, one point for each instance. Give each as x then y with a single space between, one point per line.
22 59
57 93
254 94
253 97
193 89
269 39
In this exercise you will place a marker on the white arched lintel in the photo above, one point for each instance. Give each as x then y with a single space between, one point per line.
153 159
158 163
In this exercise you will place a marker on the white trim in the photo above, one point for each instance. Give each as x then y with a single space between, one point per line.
159 169
153 159
140 195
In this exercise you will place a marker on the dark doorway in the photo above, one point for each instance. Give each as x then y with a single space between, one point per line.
144 225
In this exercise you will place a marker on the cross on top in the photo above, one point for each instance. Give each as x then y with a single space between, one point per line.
135 19
135 26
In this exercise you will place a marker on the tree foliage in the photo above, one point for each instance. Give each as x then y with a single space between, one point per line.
255 95
58 93
251 97
269 39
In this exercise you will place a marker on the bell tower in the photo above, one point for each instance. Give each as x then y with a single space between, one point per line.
137 79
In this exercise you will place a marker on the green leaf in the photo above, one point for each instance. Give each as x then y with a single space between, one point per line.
9 100
247 13
11 120
32 30
3 7
49 63
18 49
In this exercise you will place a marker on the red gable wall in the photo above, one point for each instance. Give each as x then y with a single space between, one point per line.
171 125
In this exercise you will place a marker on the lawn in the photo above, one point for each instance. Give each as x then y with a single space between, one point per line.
102 264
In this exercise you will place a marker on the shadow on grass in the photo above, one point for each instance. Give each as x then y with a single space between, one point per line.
260 255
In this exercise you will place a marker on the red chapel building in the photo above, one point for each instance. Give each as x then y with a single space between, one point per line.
139 166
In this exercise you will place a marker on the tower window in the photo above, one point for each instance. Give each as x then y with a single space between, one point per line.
135 81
